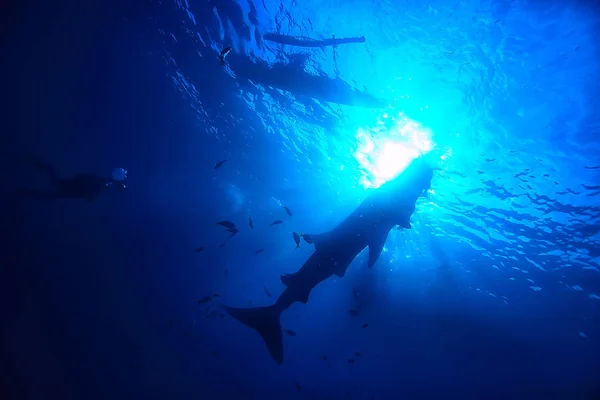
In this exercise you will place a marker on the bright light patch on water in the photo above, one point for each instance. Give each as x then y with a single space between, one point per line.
386 150
235 196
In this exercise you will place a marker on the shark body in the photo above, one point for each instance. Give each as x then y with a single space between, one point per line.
367 226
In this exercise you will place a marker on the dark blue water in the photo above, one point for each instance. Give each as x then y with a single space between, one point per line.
494 293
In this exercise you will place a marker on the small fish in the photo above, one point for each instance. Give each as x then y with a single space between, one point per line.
222 244
267 292
296 239
287 210
307 238
198 249
259 251
290 332
298 387
226 224
220 164
357 354
216 295
250 223
278 222
355 294
365 326
324 358
351 361
354 313
224 54
214 353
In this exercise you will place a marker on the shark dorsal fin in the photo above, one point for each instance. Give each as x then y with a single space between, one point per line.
304 297
376 246
404 218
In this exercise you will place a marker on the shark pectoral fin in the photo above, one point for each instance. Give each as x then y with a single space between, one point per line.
340 268
376 247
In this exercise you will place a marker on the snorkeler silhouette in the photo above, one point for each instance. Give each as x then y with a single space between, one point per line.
82 186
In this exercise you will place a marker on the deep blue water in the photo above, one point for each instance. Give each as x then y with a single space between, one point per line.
494 293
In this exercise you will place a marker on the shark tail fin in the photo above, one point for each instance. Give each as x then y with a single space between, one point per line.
264 320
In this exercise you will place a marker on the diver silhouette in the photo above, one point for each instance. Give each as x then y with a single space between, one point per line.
82 186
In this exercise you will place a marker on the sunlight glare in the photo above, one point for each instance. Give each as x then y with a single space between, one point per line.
384 151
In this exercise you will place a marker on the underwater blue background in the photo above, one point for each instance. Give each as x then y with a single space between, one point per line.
494 293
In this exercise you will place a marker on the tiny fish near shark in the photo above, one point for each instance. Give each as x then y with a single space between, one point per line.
368 225
220 164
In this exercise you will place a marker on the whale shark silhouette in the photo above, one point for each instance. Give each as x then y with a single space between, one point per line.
367 226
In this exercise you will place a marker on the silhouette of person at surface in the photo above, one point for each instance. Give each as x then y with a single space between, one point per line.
82 186
290 76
